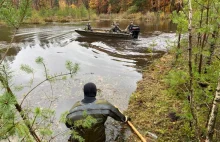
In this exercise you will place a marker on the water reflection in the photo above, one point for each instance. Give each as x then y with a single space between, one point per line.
113 65
100 57
103 57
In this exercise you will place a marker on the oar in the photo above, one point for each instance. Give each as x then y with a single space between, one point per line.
136 131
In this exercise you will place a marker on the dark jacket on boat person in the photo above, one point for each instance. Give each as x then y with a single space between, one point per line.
112 28
88 27
98 109
129 27
115 28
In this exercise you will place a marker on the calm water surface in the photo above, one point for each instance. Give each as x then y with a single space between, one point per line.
113 65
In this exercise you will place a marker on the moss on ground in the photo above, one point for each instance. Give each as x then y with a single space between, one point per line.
151 109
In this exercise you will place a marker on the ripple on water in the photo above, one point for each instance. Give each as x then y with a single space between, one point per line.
113 65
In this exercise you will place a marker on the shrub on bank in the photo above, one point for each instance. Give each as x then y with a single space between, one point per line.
133 9
66 14
150 16
35 18
81 13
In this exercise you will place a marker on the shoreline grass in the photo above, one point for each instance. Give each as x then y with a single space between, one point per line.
64 17
151 109
37 18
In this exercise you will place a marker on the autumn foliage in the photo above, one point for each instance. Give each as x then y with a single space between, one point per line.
110 6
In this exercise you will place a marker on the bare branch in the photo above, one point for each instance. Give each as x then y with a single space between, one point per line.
34 120
202 5
8 47
42 83
2 3
24 12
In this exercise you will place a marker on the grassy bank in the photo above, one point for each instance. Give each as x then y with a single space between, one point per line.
82 14
160 103
151 109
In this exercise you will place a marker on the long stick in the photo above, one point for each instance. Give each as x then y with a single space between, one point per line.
136 131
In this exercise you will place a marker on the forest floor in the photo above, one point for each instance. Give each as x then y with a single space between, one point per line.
151 109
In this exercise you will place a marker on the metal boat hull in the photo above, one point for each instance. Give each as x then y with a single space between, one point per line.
102 33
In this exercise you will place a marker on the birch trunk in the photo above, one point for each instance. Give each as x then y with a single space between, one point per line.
191 91
212 47
213 114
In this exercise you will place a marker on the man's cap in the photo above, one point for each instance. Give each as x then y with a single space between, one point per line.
90 89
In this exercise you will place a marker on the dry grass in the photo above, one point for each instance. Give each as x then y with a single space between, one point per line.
133 16
2 23
149 107
149 16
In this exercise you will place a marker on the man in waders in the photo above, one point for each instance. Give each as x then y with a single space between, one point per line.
98 110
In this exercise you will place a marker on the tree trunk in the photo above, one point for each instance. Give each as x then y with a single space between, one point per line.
178 46
191 91
201 54
20 110
213 114
205 38
199 34
212 47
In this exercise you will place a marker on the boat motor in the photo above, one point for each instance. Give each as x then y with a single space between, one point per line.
135 30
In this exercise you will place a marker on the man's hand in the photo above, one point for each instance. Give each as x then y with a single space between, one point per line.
127 119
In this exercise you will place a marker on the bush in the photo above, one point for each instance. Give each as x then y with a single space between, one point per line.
35 18
150 16
137 16
133 9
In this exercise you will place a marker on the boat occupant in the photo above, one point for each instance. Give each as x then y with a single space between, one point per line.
129 27
115 28
88 27
112 27
99 110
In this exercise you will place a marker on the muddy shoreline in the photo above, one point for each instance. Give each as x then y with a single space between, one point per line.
149 107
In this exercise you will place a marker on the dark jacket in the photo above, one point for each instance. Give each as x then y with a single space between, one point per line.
117 29
129 28
88 27
98 109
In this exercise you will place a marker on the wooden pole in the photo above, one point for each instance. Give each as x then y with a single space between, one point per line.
136 131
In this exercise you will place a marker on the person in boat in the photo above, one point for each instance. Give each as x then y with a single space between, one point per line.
129 27
98 110
88 27
115 28
112 28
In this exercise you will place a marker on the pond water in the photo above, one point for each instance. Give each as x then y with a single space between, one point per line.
114 65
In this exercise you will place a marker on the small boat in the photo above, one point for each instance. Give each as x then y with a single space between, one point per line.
106 33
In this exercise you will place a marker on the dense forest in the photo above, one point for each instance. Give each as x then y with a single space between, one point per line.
71 10
109 6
